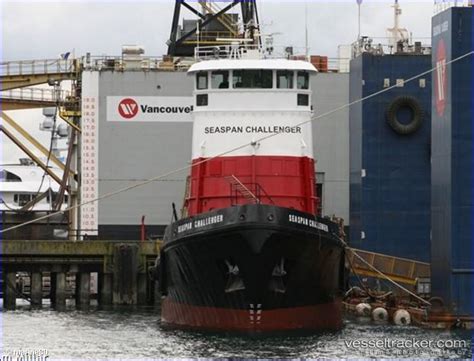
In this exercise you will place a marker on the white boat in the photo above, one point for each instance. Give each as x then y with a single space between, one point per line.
25 181
21 183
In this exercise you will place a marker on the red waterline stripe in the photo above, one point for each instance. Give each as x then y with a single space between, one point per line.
318 317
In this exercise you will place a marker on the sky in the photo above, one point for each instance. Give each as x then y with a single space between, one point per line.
45 29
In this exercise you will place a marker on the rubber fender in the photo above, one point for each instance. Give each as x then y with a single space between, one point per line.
380 314
416 120
363 309
401 317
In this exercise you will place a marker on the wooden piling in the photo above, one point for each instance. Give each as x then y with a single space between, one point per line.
52 289
105 289
36 289
58 290
83 285
141 289
9 293
122 270
125 274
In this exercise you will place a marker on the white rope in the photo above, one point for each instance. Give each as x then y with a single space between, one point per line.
178 170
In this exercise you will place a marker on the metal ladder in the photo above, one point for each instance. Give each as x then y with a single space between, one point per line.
241 188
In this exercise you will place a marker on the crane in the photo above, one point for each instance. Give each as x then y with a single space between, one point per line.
215 25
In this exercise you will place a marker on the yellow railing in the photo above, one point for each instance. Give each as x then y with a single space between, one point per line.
35 94
29 67
399 269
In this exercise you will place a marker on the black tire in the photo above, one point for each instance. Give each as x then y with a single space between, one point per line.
416 121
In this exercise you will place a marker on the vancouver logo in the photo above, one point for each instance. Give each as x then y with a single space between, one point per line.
128 108
441 80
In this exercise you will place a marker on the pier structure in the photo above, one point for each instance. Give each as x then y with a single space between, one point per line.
121 268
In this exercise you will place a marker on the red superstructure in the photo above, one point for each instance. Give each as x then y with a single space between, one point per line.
282 181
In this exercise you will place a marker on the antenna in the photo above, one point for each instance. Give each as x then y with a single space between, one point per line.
397 34
306 28
359 3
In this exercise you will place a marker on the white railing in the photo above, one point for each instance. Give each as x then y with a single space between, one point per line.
29 67
441 5
234 51
251 51
382 46
121 63
35 94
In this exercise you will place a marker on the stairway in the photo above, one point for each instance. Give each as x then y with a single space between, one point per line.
241 188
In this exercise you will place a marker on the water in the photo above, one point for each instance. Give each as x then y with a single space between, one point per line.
137 334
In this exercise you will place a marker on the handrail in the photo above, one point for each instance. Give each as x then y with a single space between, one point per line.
234 51
402 269
42 66
211 36
441 5
383 46
120 62
35 94
255 190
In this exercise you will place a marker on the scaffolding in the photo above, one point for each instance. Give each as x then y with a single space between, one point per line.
17 79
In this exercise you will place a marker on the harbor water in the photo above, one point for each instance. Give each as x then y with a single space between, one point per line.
137 334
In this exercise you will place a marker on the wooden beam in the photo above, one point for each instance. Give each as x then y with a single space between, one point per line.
30 154
33 141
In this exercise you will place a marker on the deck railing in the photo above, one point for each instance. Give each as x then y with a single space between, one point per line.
35 94
31 67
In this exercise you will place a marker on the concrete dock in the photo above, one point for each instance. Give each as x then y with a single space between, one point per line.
121 268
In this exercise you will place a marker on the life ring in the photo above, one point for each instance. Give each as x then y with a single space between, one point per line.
416 120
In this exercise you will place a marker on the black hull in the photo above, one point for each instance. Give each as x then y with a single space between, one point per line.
242 268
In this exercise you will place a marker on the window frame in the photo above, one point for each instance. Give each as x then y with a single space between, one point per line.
200 100
200 74
302 100
292 75
220 71
242 71
306 73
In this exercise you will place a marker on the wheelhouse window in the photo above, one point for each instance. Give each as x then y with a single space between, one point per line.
284 79
220 79
252 79
303 80
201 80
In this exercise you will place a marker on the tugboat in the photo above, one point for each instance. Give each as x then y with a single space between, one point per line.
250 252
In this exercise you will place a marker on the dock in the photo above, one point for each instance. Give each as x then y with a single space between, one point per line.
121 268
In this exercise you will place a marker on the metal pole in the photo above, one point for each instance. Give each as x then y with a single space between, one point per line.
198 32
358 34
306 28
